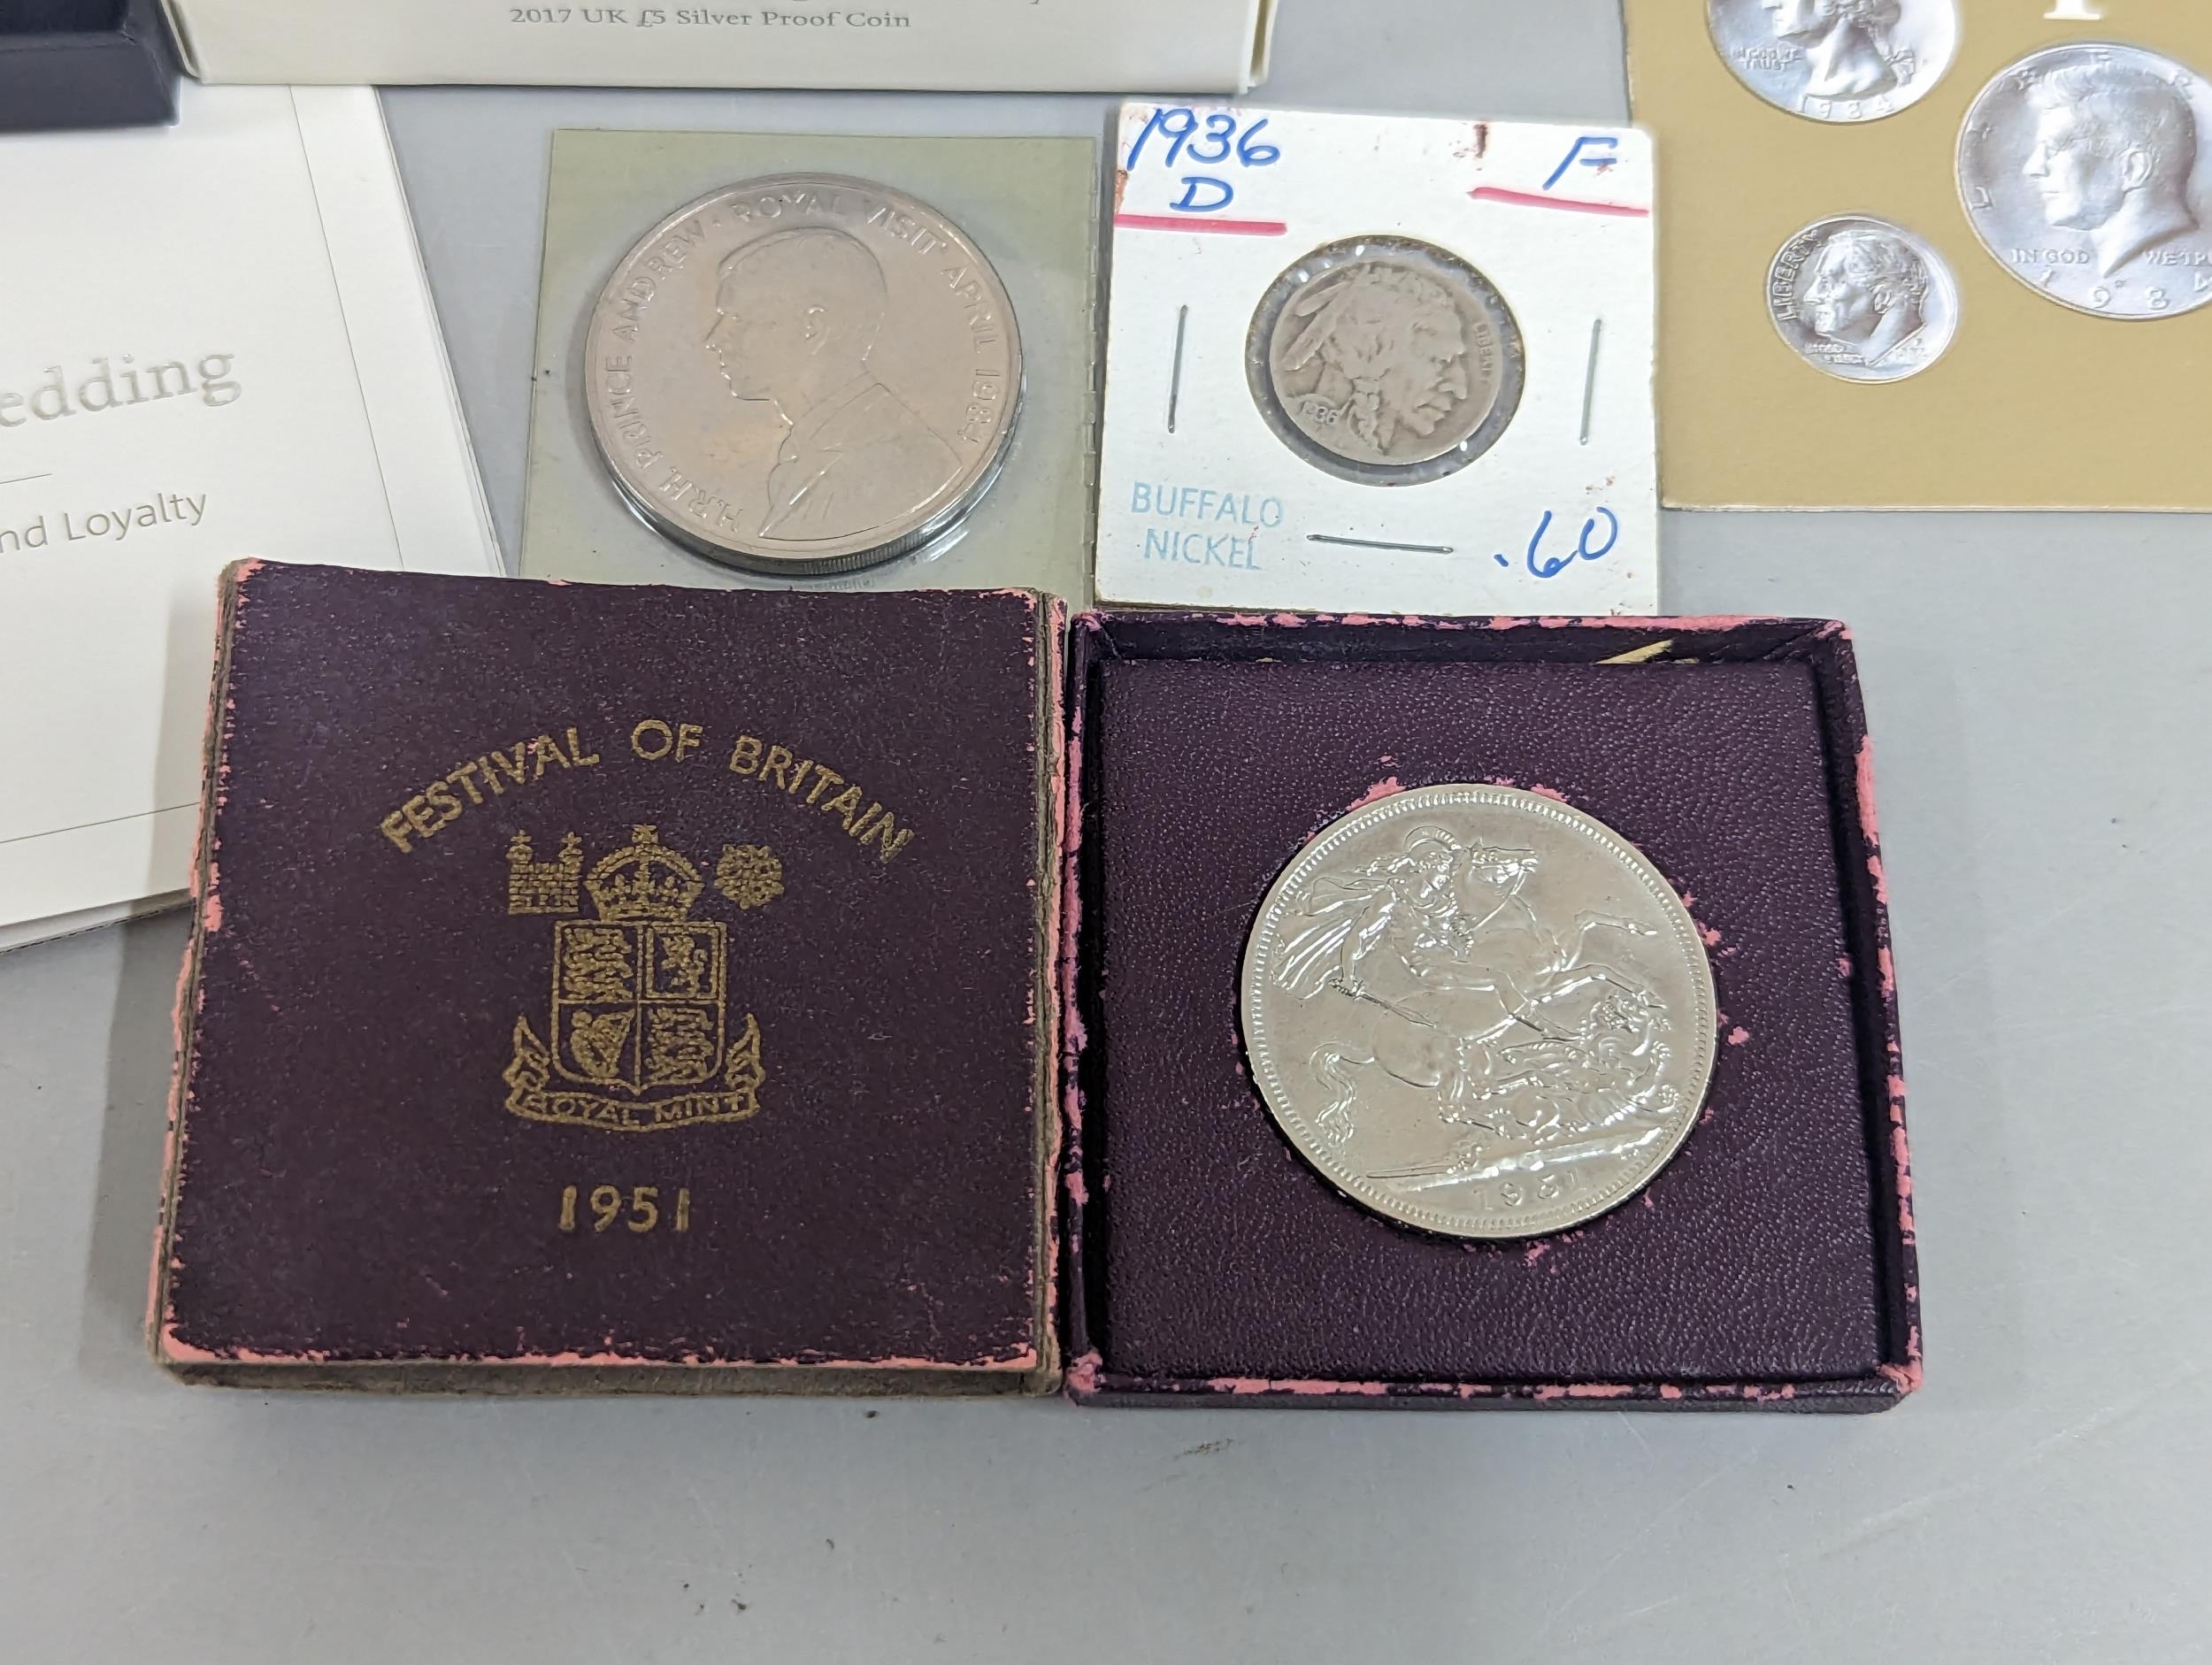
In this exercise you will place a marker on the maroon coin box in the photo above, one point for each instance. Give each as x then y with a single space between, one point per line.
1770 1263
607 988
603 988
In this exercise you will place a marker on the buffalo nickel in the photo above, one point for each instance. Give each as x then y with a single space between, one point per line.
1862 299
1385 360
2086 171
1478 1010
1836 60
804 374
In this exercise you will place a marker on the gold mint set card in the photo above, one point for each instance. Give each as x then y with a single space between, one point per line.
1928 254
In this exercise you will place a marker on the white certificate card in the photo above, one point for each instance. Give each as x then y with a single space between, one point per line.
216 341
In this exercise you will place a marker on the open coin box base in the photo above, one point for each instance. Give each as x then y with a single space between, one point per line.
1770 1262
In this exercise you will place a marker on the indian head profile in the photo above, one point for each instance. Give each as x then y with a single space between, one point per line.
1867 293
1385 350
2115 148
1847 44
796 318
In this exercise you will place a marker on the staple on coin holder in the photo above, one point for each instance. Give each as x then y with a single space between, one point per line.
1175 376
1590 379
1354 363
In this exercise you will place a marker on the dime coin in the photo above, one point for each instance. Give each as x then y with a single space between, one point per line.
804 374
2086 171
1836 60
1385 360
1862 299
1478 1010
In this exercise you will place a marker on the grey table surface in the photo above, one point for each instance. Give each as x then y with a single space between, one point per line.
2037 689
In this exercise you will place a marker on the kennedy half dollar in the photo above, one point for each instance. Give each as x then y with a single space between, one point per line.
2086 171
804 374
1385 360
1836 60
1862 299
1478 1010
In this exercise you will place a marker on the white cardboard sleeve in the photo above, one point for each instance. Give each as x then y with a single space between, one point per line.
1200 504
1191 46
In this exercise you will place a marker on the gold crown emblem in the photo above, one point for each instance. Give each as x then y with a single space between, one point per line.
648 880
639 1036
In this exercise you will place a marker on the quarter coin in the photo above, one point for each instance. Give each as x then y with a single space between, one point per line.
804 374
2086 172
1478 1010
1836 60
1862 299
1385 360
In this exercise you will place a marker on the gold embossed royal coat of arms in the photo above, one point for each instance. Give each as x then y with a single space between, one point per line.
638 1032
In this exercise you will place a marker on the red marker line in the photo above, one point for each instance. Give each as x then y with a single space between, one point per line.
1191 222
1530 199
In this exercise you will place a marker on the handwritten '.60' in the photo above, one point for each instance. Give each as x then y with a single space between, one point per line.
1543 566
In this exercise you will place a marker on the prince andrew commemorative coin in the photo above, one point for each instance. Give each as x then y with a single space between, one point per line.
1862 299
1478 1010
804 374
1385 360
1836 60
2086 172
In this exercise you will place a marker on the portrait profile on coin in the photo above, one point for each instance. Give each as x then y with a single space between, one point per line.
804 374
1385 360
2114 150
1846 43
1862 299
797 315
1844 61
1868 292
1384 348
2084 171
